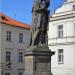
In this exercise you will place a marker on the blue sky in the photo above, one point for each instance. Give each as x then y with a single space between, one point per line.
21 9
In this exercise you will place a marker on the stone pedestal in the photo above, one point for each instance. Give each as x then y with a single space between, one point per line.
38 61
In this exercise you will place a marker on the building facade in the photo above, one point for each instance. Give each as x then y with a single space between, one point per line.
62 39
14 39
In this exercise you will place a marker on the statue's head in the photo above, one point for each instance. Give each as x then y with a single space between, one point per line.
40 4
45 3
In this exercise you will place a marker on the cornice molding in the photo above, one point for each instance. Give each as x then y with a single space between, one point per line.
62 17
57 44
69 2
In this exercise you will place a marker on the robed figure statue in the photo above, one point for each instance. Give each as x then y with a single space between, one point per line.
40 18
38 55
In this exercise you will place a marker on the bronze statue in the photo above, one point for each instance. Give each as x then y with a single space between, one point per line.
39 23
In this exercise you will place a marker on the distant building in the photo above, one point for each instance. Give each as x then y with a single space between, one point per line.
14 39
62 39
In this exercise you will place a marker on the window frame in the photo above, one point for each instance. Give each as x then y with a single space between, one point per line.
20 37
60 56
8 56
20 56
60 31
73 7
8 35
74 29
20 73
7 73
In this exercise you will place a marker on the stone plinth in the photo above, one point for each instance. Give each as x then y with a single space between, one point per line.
38 61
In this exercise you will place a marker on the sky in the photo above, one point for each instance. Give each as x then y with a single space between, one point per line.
20 10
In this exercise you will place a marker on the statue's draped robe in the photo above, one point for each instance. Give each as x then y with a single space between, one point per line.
39 25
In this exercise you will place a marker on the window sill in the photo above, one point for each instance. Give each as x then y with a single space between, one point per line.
60 37
8 61
60 62
20 61
8 41
21 42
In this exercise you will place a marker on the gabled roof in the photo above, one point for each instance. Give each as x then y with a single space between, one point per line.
9 21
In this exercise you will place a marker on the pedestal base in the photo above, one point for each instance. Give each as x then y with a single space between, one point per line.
38 61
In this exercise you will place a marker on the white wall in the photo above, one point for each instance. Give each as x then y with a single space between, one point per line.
68 68
68 28
67 43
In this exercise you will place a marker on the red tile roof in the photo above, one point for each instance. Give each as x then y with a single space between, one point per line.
9 21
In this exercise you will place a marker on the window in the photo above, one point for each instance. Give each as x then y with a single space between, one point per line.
7 73
20 73
8 36
20 37
74 29
60 56
60 31
20 57
8 56
73 7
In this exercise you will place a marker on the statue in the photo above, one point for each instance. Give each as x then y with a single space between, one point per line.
39 23
38 55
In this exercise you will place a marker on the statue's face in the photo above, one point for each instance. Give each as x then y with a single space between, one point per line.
43 3
36 0
42 0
